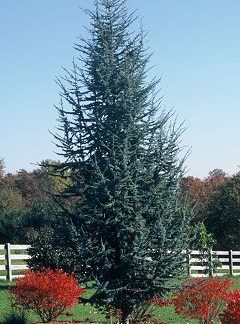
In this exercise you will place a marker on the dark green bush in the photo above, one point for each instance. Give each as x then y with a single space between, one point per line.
15 318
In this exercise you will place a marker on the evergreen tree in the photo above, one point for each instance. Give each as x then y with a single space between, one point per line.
128 225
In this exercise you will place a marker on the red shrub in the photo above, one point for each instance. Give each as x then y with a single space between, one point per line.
161 302
49 293
232 312
202 299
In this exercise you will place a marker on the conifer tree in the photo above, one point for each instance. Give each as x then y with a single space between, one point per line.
128 225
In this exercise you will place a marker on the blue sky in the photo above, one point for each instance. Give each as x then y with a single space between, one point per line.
196 47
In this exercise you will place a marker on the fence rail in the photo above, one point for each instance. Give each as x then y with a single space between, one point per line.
216 263
13 261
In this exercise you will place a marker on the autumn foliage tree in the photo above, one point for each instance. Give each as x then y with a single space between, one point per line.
201 192
224 214
217 206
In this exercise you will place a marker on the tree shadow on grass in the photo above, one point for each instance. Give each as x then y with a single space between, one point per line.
5 285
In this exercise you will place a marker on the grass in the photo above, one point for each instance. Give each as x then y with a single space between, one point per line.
5 304
81 312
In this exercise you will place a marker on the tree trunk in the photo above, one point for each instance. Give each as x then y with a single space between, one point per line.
124 319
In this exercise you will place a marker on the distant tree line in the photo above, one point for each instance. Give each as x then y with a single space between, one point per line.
29 202
217 203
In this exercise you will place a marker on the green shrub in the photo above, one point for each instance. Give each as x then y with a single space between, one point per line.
15 318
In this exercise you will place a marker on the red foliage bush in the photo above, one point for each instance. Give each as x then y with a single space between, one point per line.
160 302
202 299
232 312
47 292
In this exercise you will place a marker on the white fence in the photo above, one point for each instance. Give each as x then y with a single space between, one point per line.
12 260
217 263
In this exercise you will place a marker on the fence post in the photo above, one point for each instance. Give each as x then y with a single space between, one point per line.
231 263
8 259
210 263
188 257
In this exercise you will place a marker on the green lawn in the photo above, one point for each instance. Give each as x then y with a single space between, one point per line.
80 311
166 314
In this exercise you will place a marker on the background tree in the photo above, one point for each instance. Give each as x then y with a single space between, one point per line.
223 219
18 220
10 198
26 203
11 206
122 157
200 192
52 181
30 185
